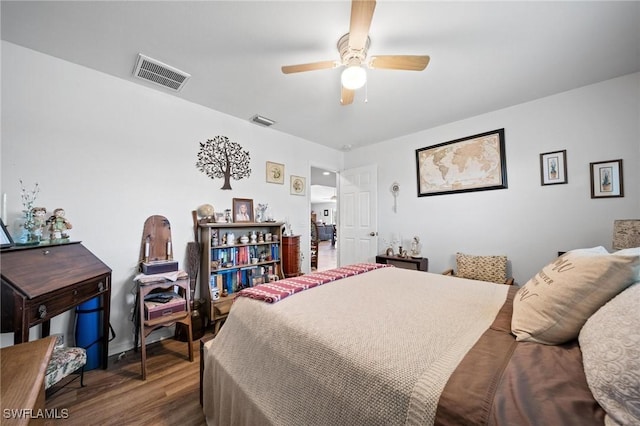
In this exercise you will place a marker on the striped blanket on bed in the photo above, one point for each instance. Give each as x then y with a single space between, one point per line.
277 290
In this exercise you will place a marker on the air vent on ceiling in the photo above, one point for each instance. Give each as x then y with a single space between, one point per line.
161 74
263 121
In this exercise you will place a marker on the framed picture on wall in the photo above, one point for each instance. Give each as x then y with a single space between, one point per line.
298 185
473 163
606 179
553 168
326 212
275 172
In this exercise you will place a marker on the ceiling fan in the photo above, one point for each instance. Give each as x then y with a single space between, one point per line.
353 48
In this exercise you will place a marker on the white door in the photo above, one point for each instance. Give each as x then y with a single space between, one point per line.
358 215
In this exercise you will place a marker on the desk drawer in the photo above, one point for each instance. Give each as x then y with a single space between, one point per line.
46 307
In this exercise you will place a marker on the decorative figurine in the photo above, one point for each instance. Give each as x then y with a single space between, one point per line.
206 213
39 222
58 225
231 238
416 247
261 213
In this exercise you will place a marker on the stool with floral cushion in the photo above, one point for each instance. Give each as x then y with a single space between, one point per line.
64 362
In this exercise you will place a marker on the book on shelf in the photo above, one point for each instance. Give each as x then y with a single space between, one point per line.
234 280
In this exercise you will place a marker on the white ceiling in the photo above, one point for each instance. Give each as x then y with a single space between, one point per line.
323 185
484 55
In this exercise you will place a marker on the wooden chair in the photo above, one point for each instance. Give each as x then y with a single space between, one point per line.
314 245
483 268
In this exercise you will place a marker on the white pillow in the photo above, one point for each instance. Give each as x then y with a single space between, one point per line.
635 251
610 344
554 304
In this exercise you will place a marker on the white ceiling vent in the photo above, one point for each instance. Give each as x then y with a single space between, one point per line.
161 74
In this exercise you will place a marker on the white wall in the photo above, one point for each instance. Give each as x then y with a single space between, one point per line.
112 153
319 208
528 222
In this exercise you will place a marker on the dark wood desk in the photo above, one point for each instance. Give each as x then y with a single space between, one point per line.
415 263
23 368
41 282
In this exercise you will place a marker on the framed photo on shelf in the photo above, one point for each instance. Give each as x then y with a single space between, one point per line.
606 179
242 210
275 172
298 185
553 168
474 163
5 238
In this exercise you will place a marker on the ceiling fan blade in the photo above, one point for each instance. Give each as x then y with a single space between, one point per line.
361 16
346 96
288 69
399 62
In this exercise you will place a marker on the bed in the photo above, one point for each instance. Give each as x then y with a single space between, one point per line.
378 345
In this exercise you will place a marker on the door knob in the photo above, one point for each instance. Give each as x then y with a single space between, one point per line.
373 234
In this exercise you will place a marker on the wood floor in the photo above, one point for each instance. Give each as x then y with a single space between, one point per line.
327 257
169 396
117 396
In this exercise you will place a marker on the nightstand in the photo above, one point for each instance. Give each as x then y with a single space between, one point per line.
415 263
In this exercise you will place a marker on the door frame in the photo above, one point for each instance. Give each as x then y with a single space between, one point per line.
337 215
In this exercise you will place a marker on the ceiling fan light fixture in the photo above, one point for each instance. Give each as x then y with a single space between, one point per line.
353 77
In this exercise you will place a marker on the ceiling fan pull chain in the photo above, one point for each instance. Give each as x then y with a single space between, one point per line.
366 92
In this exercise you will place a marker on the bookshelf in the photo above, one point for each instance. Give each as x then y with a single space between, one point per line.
232 262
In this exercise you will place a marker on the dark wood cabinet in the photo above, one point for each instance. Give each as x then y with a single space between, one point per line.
41 282
291 256
416 263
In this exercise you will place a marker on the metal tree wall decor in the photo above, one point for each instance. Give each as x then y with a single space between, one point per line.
221 158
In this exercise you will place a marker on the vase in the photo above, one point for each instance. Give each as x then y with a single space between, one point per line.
28 231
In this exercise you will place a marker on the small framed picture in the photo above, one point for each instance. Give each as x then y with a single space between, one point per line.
606 179
242 210
275 172
553 168
5 238
298 185
326 212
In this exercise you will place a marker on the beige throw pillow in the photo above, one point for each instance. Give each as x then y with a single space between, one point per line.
552 307
484 268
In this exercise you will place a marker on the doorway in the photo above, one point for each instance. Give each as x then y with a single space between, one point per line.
324 214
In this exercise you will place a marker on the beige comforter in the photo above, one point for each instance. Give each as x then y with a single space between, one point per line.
372 349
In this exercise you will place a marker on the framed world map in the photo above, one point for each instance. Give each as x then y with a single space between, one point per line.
474 163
